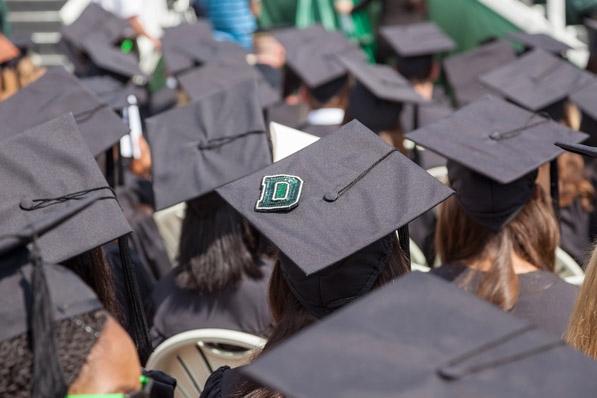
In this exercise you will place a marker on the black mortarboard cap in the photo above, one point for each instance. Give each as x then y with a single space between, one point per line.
539 40
113 92
312 54
207 143
418 39
586 100
112 60
55 93
376 99
97 24
579 149
494 149
174 40
536 80
423 337
35 296
225 73
321 205
462 70
46 167
208 50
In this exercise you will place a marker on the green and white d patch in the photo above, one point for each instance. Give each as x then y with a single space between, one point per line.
279 192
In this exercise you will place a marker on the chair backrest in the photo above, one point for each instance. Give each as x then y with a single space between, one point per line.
192 356
568 269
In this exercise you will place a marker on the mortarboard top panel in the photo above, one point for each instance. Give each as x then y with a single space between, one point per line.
536 80
111 59
579 149
45 165
496 139
418 39
539 40
222 74
55 93
214 140
462 70
312 54
423 337
174 40
383 81
349 178
97 24
586 99
209 50
113 92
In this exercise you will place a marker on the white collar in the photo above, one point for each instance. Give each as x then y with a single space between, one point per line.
325 117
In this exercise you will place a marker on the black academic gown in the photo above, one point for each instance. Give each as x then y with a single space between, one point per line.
172 310
575 237
545 299
224 382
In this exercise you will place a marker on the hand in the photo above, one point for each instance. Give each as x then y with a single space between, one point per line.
343 6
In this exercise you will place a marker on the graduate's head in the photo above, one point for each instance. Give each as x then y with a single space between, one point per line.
217 248
333 94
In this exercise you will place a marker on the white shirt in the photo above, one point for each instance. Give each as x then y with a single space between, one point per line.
122 8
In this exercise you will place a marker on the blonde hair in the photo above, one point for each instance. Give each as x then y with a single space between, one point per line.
582 328
533 235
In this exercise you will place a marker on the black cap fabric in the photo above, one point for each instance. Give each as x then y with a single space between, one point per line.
45 168
113 60
55 93
209 50
207 143
586 99
384 82
97 24
312 54
418 39
175 39
423 337
494 149
225 73
113 92
321 205
463 70
536 80
579 149
539 40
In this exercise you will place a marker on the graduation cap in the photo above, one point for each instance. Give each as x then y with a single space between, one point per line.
207 143
321 205
286 140
539 40
536 80
463 70
113 92
34 296
208 50
225 73
312 55
415 45
494 149
376 100
112 60
44 169
174 40
579 149
98 24
55 93
423 337
586 100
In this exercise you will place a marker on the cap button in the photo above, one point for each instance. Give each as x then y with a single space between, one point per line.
330 196
26 204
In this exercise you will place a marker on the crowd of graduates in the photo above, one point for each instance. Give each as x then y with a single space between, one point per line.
393 220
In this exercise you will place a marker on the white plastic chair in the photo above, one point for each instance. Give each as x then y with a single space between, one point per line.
568 269
192 356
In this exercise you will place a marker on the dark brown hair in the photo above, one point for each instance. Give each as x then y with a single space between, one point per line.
533 235
93 268
290 316
217 247
574 183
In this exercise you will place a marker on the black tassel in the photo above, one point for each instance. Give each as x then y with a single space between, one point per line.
136 317
404 238
555 189
48 375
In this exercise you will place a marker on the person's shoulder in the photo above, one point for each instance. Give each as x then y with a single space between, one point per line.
222 383
548 281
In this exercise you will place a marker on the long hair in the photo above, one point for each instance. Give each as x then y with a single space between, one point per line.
582 328
217 247
533 235
290 316
574 183
93 268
